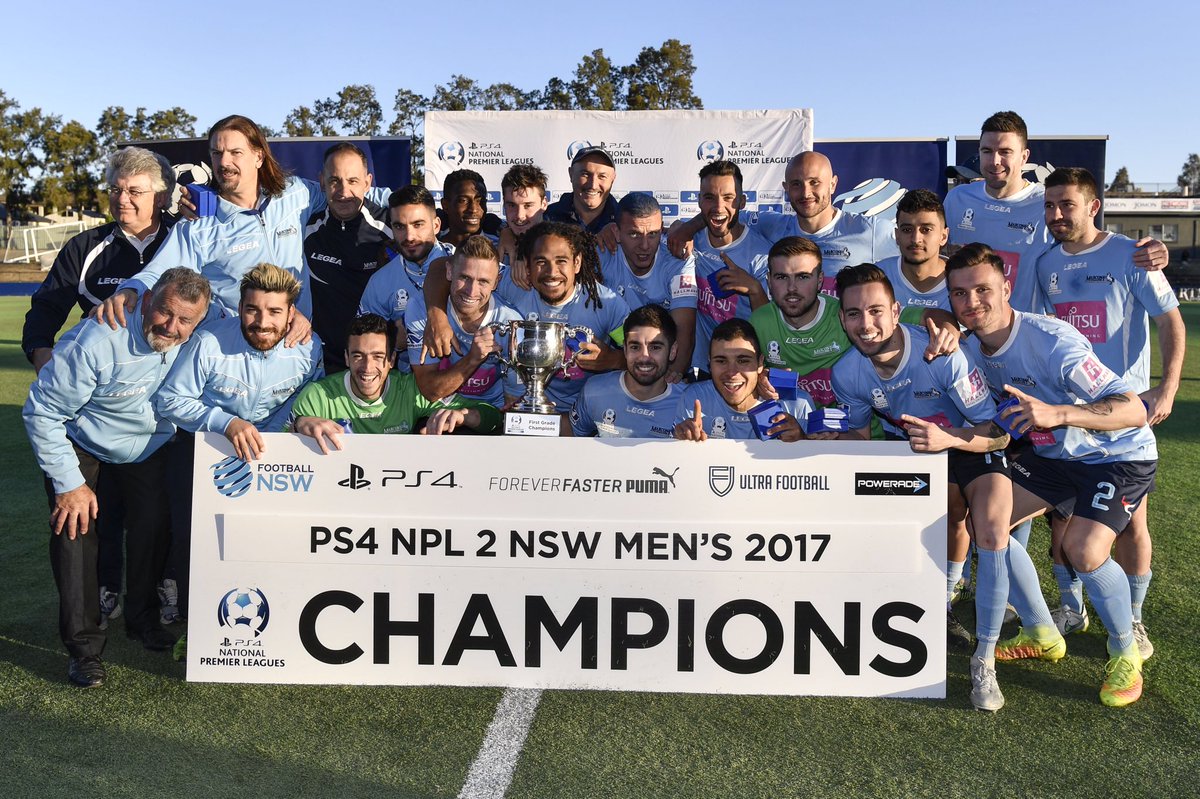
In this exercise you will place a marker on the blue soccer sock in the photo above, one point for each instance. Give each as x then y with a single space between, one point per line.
1070 587
1021 533
966 575
953 574
1108 589
1025 591
1139 584
991 595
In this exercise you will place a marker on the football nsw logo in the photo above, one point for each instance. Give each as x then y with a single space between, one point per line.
244 610
709 151
231 476
451 152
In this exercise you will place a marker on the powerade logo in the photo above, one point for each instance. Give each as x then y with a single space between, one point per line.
709 151
232 476
451 152
244 610
891 484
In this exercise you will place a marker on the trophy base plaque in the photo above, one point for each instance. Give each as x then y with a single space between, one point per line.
518 423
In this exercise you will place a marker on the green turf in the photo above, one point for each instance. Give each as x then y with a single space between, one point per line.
149 733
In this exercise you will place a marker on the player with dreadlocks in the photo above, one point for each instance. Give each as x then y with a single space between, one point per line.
565 272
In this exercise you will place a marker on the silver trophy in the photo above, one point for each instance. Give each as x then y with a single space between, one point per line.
536 350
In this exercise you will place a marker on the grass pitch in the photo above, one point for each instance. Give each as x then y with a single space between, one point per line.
148 732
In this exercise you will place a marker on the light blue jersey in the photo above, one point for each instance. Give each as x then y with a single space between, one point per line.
1110 301
721 421
220 377
670 283
486 383
97 391
604 322
605 408
392 288
1014 227
949 391
225 246
907 295
749 251
1048 359
848 240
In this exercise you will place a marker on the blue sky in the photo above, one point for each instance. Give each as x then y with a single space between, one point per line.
868 69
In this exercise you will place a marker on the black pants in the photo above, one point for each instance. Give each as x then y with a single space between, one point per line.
179 490
74 561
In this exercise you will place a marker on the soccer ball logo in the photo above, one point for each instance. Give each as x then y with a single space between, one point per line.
575 147
244 608
401 299
709 151
452 152
186 175
718 428
872 197
610 416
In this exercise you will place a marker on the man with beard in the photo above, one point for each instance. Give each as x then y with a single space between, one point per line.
637 402
260 217
1092 455
730 259
371 397
642 271
1089 281
938 406
473 272
237 378
92 405
342 245
918 273
415 225
736 364
589 204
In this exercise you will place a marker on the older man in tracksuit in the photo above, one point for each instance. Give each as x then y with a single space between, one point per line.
92 404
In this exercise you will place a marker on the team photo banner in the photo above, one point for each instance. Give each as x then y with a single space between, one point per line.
815 568
659 152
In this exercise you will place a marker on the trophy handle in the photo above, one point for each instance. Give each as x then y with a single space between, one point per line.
573 331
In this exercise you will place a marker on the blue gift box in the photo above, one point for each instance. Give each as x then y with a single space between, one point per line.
761 416
785 382
203 197
1006 423
827 420
715 284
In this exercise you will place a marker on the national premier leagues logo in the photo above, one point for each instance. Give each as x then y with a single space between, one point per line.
452 152
576 146
710 150
232 476
244 610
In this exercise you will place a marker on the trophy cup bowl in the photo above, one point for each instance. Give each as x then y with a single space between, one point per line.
536 350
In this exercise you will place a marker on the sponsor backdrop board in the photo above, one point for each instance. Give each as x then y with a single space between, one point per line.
659 152
723 567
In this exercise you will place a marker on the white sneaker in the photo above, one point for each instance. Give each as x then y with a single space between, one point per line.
168 599
1142 639
985 691
110 606
1068 621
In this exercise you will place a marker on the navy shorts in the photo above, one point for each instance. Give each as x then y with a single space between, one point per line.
1108 493
966 466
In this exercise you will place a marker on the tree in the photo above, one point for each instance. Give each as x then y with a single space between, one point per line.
661 78
1189 178
556 96
460 94
305 121
1121 182
117 126
597 85
358 110
69 175
410 121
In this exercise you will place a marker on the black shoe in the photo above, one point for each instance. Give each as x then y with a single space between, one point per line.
957 637
155 638
86 672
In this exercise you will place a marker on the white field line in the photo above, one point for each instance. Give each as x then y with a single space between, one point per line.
492 772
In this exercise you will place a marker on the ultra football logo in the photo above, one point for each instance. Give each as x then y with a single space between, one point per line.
245 611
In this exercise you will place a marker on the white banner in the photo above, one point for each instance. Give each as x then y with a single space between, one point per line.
722 567
660 152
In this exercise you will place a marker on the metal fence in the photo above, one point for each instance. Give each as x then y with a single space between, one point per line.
28 243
